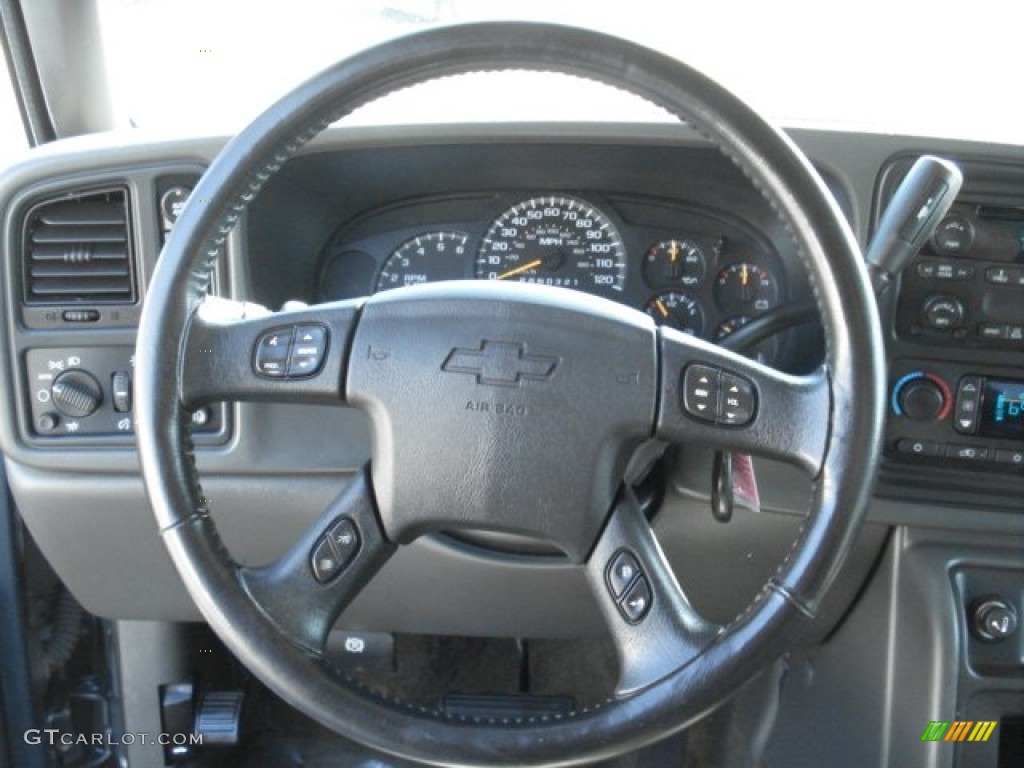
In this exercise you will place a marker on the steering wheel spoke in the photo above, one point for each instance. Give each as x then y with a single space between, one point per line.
240 351
305 590
717 397
652 623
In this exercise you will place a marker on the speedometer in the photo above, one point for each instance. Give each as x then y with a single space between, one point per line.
561 241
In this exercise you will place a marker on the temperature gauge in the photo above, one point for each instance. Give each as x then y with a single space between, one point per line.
677 310
745 288
677 262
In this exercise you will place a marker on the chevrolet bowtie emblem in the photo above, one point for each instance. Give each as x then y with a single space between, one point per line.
503 363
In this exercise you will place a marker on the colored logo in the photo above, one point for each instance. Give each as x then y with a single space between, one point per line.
958 730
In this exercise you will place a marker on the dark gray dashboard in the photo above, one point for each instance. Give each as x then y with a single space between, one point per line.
270 469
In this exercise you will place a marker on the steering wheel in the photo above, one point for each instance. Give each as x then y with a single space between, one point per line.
560 368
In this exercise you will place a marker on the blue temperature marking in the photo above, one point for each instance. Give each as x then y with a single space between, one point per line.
898 386
1000 408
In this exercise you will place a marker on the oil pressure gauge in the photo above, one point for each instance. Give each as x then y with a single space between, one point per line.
673 262
677 310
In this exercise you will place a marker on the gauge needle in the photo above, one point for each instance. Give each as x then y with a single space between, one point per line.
661 307
673 252
743 275
520 269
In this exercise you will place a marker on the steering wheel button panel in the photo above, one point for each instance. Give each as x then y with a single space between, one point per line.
622 570
324 562
272 349
637 602
345 539
334 550
737 401
309 346
711 394
701 387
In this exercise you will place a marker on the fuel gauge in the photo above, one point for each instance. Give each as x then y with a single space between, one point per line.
745 288
678 262
677 310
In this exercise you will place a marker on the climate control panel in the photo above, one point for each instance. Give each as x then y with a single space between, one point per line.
87 392
941 411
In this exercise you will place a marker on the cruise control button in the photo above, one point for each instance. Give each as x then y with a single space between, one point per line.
737 402
700 392
344 537
272 352
637 602
621 572
967 452
324 561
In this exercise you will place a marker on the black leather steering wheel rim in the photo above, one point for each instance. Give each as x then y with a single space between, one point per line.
841 489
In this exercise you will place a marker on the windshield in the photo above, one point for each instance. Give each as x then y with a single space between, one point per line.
877 65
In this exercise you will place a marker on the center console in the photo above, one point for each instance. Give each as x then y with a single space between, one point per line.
956 345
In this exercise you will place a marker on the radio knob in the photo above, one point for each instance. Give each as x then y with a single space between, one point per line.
942 313
76 394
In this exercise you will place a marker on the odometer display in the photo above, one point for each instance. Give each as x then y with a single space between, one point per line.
559 241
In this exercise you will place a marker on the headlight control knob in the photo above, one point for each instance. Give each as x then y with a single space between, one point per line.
922 396
76 394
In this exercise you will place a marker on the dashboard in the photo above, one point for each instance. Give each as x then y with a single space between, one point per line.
648 216
700 271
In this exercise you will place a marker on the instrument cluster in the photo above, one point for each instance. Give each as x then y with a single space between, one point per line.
700 271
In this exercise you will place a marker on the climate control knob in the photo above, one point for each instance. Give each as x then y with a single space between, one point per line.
922 396
76 394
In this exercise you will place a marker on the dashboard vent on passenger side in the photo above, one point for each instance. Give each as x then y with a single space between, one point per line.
78 249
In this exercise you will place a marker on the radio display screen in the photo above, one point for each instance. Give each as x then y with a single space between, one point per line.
1002 409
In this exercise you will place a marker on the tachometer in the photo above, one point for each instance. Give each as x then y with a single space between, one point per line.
560 241
427 258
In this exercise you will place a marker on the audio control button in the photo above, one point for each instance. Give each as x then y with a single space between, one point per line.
992 331
1002 275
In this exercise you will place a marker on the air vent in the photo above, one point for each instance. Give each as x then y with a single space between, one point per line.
78 249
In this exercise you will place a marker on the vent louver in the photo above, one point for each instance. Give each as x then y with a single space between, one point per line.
79 249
